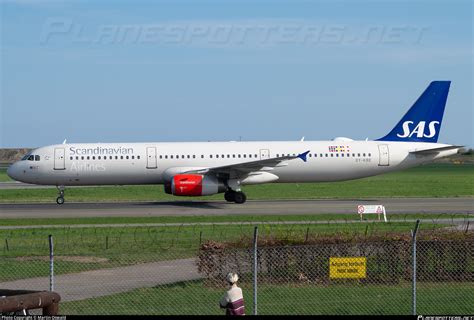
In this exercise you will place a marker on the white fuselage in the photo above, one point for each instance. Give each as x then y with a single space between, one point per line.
156 163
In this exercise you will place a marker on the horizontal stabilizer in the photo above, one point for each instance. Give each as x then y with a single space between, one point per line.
435 150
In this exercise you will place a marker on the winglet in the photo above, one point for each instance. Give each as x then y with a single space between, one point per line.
303 156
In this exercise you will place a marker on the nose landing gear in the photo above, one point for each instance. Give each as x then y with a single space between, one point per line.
60 198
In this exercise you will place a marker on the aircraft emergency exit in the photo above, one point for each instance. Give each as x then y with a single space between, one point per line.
206 168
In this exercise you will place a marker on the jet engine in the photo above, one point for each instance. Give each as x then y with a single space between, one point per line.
192 185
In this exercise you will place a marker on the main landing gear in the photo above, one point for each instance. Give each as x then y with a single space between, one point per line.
235 196
60 198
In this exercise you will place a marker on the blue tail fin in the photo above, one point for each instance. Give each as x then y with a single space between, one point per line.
423 121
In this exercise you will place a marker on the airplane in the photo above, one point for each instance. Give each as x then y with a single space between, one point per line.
207 168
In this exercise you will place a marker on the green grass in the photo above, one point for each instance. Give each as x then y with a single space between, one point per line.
3 175
438 180
132 245
194 297
218 219
27 252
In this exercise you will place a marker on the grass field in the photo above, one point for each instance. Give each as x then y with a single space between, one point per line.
24 254
194 297
437 180
218 219
3 175
127 245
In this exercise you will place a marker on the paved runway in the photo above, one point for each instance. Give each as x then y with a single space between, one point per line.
210 208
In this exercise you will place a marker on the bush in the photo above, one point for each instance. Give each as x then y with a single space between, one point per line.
440 257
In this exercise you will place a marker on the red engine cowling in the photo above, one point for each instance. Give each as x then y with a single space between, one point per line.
194 185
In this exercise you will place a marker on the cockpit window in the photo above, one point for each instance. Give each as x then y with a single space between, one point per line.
37 158
25 157
31 158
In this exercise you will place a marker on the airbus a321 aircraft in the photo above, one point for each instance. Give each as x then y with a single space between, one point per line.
206 168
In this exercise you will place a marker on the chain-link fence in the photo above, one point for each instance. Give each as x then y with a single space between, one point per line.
299 279
335 268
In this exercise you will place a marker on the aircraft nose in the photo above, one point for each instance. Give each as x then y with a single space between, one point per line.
12 171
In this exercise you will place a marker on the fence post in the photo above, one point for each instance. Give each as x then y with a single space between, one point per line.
51 263
414 266
255 236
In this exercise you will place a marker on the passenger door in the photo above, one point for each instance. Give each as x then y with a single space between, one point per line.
59 159
384 156
264 154
151 162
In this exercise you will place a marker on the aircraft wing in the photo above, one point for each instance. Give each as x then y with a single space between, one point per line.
244 168
435 150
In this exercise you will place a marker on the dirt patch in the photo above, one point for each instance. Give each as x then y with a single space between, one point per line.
12 155
79 259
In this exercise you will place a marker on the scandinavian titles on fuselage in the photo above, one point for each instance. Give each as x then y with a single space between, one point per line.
86 167
100 151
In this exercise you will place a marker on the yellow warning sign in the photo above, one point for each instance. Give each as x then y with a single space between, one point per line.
347 268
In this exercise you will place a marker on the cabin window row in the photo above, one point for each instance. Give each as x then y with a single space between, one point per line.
222 156
342 155
211 156
105 157
217 156
327 155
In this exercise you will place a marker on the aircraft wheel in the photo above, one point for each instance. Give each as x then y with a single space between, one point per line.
60 198
240 197
229 196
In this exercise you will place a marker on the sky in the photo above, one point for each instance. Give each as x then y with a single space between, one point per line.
142 71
